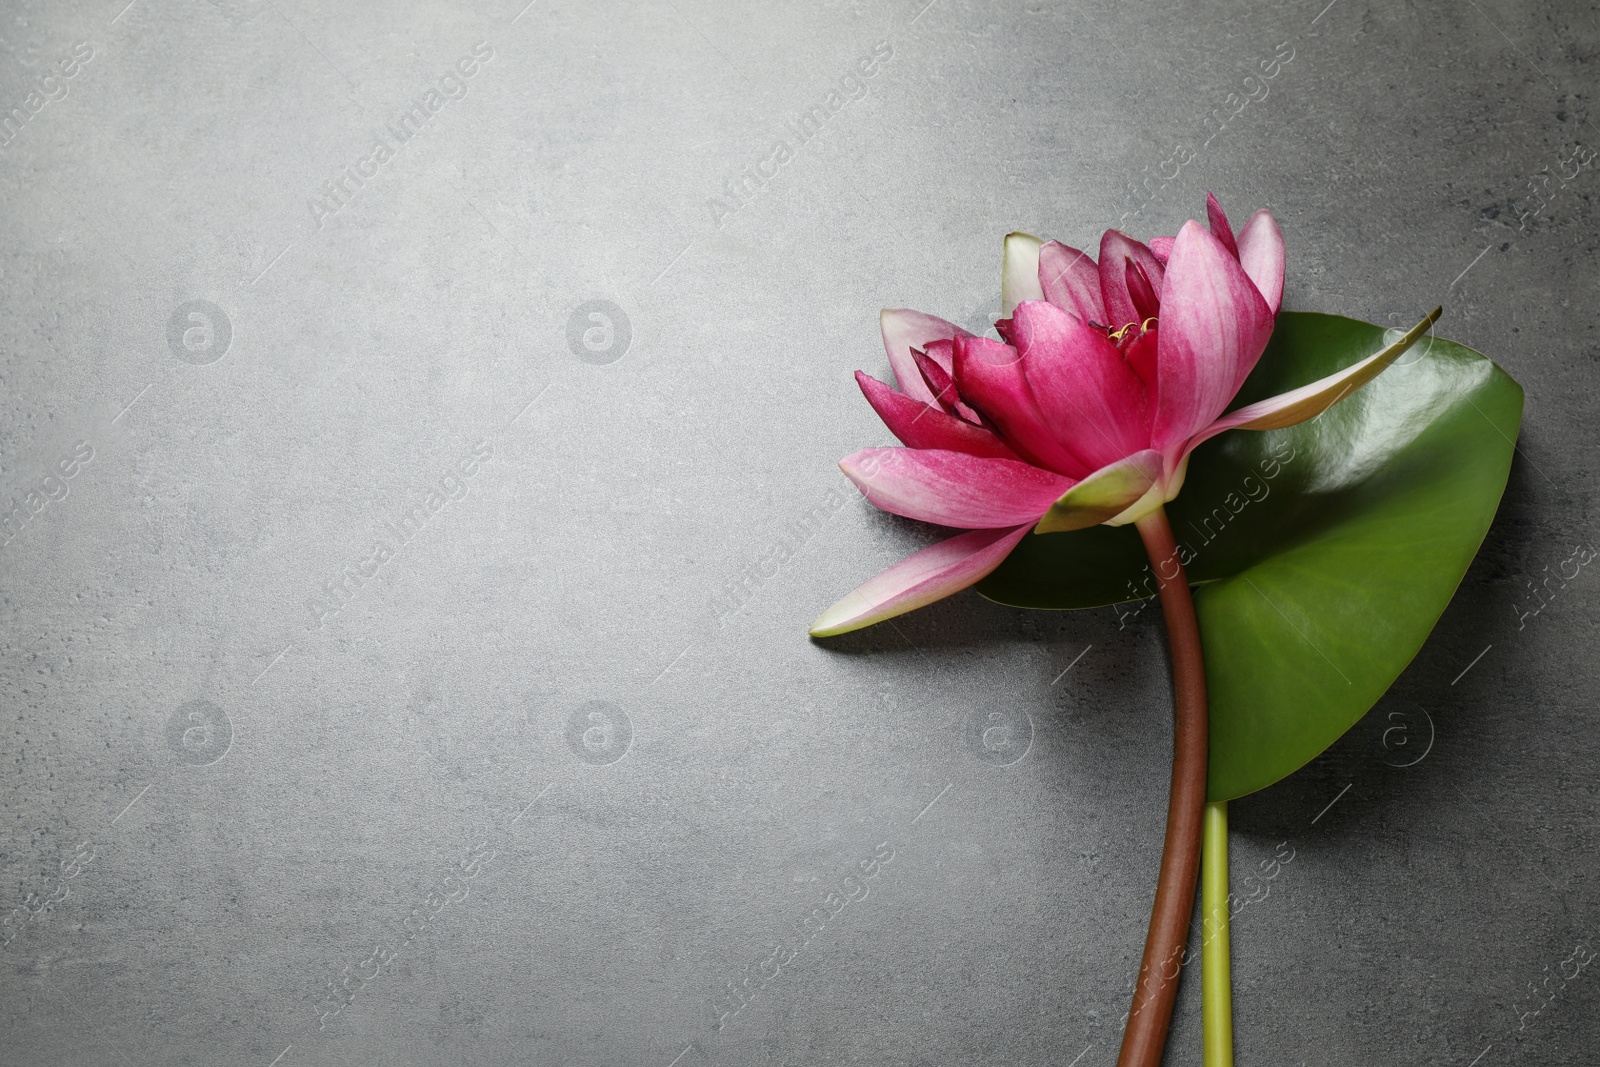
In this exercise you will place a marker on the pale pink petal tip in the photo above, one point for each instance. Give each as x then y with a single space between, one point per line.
921 578
1262 256
1220 228
903 330
1309 401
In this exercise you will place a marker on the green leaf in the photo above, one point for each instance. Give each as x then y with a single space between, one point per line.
1324 553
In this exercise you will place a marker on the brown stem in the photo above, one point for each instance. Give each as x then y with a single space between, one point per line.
1151 1015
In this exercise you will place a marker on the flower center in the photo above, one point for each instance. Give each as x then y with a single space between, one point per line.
1130 332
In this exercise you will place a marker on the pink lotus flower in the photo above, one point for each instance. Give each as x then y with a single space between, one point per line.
1111 374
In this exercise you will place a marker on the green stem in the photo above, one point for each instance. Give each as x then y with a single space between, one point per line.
1216 978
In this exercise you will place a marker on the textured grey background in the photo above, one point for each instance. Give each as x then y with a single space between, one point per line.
566 766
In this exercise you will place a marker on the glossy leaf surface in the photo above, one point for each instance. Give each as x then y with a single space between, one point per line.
1324 553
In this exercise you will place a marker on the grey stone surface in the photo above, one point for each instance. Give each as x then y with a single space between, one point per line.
546 784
